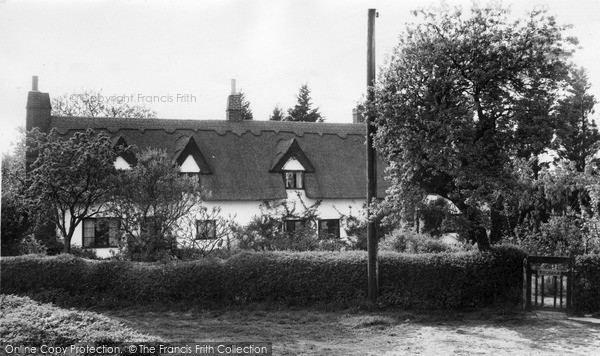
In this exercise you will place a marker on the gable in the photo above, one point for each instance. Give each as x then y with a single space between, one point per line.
191 155
189 165
128 157
121 163
292 165
290 150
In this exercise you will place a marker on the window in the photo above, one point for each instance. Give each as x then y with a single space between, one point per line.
206 229
293 225
101 232
293 179
329 228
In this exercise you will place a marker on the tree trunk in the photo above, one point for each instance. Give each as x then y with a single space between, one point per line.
497 223
476 229
67 246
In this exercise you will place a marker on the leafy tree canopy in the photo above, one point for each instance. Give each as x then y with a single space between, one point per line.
15 215
151 199
577 133
70 179
95 104
455 97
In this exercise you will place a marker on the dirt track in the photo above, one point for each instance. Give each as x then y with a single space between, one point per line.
302 332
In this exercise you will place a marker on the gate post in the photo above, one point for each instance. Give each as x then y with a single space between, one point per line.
526 285
570 285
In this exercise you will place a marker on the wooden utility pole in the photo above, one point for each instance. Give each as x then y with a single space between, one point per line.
372 268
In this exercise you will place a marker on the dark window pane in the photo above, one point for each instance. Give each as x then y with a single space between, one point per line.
293 180
102 234
206 229
88 232
293 225
329 228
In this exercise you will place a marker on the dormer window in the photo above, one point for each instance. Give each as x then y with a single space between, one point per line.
189 167
190 160
293 174
126 159
292 163
293 179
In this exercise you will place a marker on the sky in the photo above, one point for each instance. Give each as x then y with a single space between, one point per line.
178 57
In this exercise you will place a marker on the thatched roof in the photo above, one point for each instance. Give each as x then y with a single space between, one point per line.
241 160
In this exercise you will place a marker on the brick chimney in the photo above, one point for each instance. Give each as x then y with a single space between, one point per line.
234 105
38 115
38 109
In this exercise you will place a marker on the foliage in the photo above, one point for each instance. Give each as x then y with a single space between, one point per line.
408 241
586 286
303 110
456 97
15 213
427 281
246 111
30 245
438 217
151 199
577 134
267 232
355 227
452 280
277 115
559 212
27 322
70 179
94 104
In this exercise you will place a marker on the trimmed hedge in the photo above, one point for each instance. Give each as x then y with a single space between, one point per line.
440 281
586 284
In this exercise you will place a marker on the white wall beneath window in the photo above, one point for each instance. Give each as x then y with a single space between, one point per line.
329 208
244 211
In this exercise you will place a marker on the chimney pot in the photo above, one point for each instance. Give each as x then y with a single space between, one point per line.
233 92
34 83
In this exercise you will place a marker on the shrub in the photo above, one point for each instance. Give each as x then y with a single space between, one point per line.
87 253
30 245
586 286
26 322
408 241
444 281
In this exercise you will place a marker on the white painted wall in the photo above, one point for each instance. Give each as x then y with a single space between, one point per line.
244 211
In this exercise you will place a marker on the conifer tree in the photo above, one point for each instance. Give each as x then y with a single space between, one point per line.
303 110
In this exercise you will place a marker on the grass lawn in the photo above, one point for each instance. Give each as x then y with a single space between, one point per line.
309 331
317 332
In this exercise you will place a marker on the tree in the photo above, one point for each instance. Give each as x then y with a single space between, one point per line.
70 179
94 104
151 199
246 111
450 104
277 114
303 111
577 134
15 214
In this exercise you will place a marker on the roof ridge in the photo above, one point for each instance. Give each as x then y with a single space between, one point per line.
114 125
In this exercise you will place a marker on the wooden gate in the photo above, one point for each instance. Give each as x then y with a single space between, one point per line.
547 283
